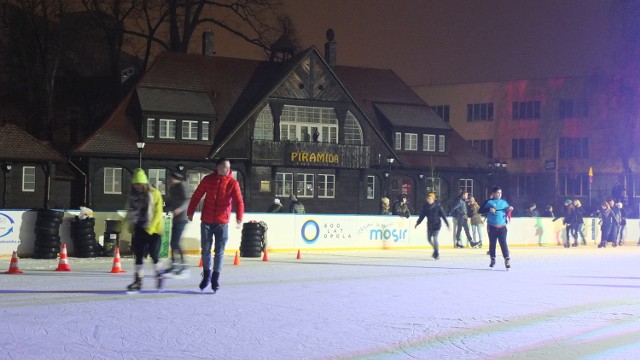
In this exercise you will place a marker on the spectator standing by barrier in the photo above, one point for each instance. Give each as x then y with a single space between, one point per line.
433 212
496 209
623 223
476 222
295 206
617 215
531 211
459 212
220 190
579 226
145 218
276 207
400 207
607 218
385 206
548 212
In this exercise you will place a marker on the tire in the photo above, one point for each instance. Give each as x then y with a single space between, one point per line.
252 232
90 254
80 232
50 214
50 249
45 255
48 243
90 237
47 224
251 249
251 225
87 248
250 254
46 231
47 238
251 238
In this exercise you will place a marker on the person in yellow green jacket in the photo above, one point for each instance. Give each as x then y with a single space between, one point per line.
145 218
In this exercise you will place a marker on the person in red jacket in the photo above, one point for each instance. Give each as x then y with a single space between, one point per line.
219 189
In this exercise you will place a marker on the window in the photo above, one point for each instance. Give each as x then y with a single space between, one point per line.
157 178
466 185
480 112
398 142
432 184
194 177
574 148
29 178
525 148
524 185
411 142
428 142
304 185
371 187
574 185
326 186
263 129
569 109
151 128
322 119
204 135
284 184
485 146
525 110
167 129
441 143
352 130
442 111
112 180
189 130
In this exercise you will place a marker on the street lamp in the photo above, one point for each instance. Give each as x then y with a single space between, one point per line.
496 166
6 168
140 145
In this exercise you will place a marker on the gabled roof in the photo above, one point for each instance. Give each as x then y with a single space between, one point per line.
175 101
415 116
18 145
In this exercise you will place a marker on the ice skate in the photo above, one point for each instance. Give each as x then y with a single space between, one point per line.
135 286
507 264
435 255
182 272
206 276
214 281
575 244
493 263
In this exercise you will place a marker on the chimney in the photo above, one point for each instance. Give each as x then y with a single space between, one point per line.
207 44
330 48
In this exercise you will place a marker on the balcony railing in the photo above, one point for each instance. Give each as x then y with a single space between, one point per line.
299 153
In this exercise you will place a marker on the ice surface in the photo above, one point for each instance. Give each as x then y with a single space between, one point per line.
555 303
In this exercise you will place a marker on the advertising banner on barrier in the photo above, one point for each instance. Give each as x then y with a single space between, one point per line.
10 223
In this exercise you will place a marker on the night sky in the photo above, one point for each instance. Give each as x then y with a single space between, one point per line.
451 41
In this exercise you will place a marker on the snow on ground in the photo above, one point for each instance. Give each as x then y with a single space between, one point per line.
555 303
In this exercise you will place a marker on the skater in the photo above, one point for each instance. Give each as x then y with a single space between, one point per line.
623 223
459 212
177 202
617 216
579 226
145 218
433 212
496 209
569 220
607 218
220 189
476 222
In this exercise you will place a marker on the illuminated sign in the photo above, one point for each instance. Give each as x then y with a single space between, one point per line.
317 157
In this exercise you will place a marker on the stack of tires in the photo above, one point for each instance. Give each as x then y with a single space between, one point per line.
84 238
47 244
112 230
253 239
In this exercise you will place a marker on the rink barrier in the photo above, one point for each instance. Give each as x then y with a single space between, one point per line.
311 232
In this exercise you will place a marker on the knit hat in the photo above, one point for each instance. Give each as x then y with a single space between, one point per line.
567 202
139 177
431 195
176 175
276 201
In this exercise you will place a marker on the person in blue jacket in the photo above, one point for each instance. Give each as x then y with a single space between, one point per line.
496 210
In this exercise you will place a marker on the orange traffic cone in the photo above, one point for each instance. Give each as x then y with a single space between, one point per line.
298 256
236 261
13 267
63 264
200 261
265 257
117 266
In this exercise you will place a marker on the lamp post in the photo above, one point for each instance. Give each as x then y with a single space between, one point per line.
6 168
496 166
387 174
140 145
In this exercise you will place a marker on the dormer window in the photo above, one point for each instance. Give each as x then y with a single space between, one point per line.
177 129
189 130
167 129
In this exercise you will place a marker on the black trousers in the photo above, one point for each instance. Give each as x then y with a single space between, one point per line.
143 241
498 235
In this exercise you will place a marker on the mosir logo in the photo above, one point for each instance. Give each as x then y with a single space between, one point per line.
6 225
388 234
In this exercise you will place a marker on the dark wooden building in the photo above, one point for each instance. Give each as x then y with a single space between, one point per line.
337 137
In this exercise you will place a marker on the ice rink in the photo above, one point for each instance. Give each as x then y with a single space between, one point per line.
555 303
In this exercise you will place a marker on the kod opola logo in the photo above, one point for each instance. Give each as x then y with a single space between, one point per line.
6 225
310 231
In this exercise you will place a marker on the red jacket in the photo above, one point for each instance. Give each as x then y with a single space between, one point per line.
219 191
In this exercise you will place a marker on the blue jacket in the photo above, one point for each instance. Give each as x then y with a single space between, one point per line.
499 218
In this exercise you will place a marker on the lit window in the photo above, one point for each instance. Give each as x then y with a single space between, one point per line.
112 180
151 128
304 185
326 186
371 187
189 130
28 178
428 142
284 184
167 129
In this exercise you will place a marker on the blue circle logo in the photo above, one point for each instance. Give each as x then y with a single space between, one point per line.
6 225
310 231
